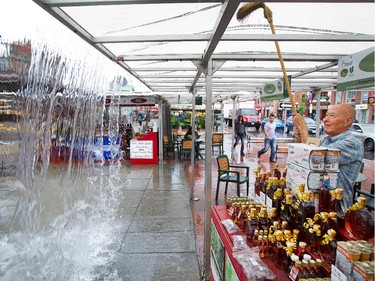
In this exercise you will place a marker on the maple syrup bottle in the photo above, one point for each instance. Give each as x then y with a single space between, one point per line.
271 246
332 221
263 219
324 194
359 221
324 225
305 210
328 247
339 207
276 171
286 211
251 225
277 201
279 250
257 184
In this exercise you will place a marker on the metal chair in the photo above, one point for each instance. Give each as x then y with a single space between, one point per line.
218 141
185 150
229 173
370 201
168 146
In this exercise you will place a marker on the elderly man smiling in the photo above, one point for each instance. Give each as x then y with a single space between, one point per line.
337 123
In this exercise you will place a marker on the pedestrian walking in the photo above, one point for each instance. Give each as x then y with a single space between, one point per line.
240 131
269 138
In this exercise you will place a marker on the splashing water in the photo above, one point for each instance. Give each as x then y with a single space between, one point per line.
59 215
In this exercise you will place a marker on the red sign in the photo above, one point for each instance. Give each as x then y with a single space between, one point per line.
371 100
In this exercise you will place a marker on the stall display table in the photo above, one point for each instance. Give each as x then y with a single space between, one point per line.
144 150
223 265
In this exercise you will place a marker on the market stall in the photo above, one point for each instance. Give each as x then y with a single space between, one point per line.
293 225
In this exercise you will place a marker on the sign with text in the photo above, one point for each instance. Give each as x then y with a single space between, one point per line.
274 90
337 275
356 71
141 149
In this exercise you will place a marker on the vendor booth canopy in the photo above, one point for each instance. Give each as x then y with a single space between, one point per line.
167 44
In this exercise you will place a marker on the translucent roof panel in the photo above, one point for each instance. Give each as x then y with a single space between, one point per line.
167 46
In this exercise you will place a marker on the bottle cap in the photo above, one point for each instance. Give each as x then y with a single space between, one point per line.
306 257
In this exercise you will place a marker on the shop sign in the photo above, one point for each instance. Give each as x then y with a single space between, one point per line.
356 71
361 106
141 149
134 101
274 90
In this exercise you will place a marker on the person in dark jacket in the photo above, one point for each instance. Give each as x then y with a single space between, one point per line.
240 131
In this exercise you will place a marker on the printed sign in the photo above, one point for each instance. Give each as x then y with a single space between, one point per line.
274 90
356 71
141 149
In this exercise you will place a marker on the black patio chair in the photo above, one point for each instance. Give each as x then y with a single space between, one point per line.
230 173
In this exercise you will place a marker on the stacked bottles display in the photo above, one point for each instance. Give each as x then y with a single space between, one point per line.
359 221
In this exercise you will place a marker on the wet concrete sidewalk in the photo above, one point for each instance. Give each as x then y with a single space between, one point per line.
159 243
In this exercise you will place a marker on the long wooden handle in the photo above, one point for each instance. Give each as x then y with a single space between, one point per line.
283 69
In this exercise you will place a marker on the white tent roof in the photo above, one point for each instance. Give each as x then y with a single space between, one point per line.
167 44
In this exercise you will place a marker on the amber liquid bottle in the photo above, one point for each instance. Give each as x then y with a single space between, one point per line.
279 250
257 184
359 221
277 201
305 210
332 221
338 207
263 221
251 225
328 247
324 195
286 211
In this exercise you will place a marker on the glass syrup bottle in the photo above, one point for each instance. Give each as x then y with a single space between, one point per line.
279 249
324 194
359 221
328 247
339 207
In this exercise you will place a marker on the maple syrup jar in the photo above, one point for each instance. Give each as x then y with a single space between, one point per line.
359 221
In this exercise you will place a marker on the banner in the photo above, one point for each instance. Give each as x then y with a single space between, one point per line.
356 71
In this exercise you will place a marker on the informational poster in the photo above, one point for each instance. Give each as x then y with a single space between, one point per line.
356 71
217 250
230 273
141 149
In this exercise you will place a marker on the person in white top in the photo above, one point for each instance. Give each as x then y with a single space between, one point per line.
269 138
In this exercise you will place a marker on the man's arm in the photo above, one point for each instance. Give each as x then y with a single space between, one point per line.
266 132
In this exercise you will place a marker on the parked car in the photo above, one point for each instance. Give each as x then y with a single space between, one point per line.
365 132
311 126
279 123
250 117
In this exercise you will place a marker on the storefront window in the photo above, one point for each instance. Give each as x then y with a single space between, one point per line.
350 97
364 97
338 97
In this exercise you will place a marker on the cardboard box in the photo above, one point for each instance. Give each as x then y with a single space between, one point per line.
312 180
331 161
345 258
307 156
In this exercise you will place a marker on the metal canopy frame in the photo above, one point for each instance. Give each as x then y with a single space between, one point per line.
181 80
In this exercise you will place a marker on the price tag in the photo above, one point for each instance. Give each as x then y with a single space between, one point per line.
337 275
293 273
